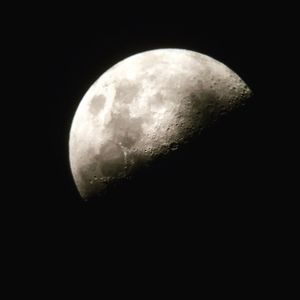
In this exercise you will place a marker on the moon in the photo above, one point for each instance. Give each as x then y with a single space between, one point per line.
143 108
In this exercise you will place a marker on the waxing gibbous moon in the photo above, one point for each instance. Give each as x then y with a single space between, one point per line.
144 107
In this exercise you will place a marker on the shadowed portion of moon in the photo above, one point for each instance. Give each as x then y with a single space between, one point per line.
211 166
144 112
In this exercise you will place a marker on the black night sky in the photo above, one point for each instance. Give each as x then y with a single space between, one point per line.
223 176
218 203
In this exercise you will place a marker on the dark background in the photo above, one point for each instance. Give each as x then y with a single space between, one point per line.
226 177
221 204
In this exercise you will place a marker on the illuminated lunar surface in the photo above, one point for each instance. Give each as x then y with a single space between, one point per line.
145 107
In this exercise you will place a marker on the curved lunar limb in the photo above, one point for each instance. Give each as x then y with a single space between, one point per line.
145 107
